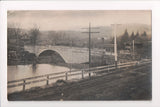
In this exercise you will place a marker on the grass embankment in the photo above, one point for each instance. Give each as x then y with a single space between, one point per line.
127 84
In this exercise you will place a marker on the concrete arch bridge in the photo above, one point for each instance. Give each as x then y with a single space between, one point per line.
69 54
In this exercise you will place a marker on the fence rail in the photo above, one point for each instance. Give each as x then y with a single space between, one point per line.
67 74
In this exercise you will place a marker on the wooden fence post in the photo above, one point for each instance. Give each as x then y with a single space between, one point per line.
89 73
47 79
66 76
107 67
82 74
24 84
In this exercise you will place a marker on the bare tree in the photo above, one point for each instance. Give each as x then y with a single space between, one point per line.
34 32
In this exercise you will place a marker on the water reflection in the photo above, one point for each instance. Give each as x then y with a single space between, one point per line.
32 70
34 66
25 71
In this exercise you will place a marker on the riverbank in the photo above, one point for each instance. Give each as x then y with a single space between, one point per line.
95 61
127 84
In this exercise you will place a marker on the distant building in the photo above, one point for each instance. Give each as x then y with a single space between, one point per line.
129 45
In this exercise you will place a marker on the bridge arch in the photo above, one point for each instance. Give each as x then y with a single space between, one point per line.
50 56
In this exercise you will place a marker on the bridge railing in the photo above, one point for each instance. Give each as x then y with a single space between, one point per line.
67 74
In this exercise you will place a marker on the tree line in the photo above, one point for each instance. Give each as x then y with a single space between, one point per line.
142 43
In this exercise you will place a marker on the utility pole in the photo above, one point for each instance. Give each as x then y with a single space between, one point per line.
89 44
115 45
115 42
133 48
71 56
103 41
103 53
17 46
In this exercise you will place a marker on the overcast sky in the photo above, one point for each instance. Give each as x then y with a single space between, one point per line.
75 20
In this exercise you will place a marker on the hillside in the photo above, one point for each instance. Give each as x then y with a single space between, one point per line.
105 31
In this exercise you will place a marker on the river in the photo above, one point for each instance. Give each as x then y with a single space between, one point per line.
25 71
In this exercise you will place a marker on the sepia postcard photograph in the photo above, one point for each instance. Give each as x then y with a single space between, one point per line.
79 55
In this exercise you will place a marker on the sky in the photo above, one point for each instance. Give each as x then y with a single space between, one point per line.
75 19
